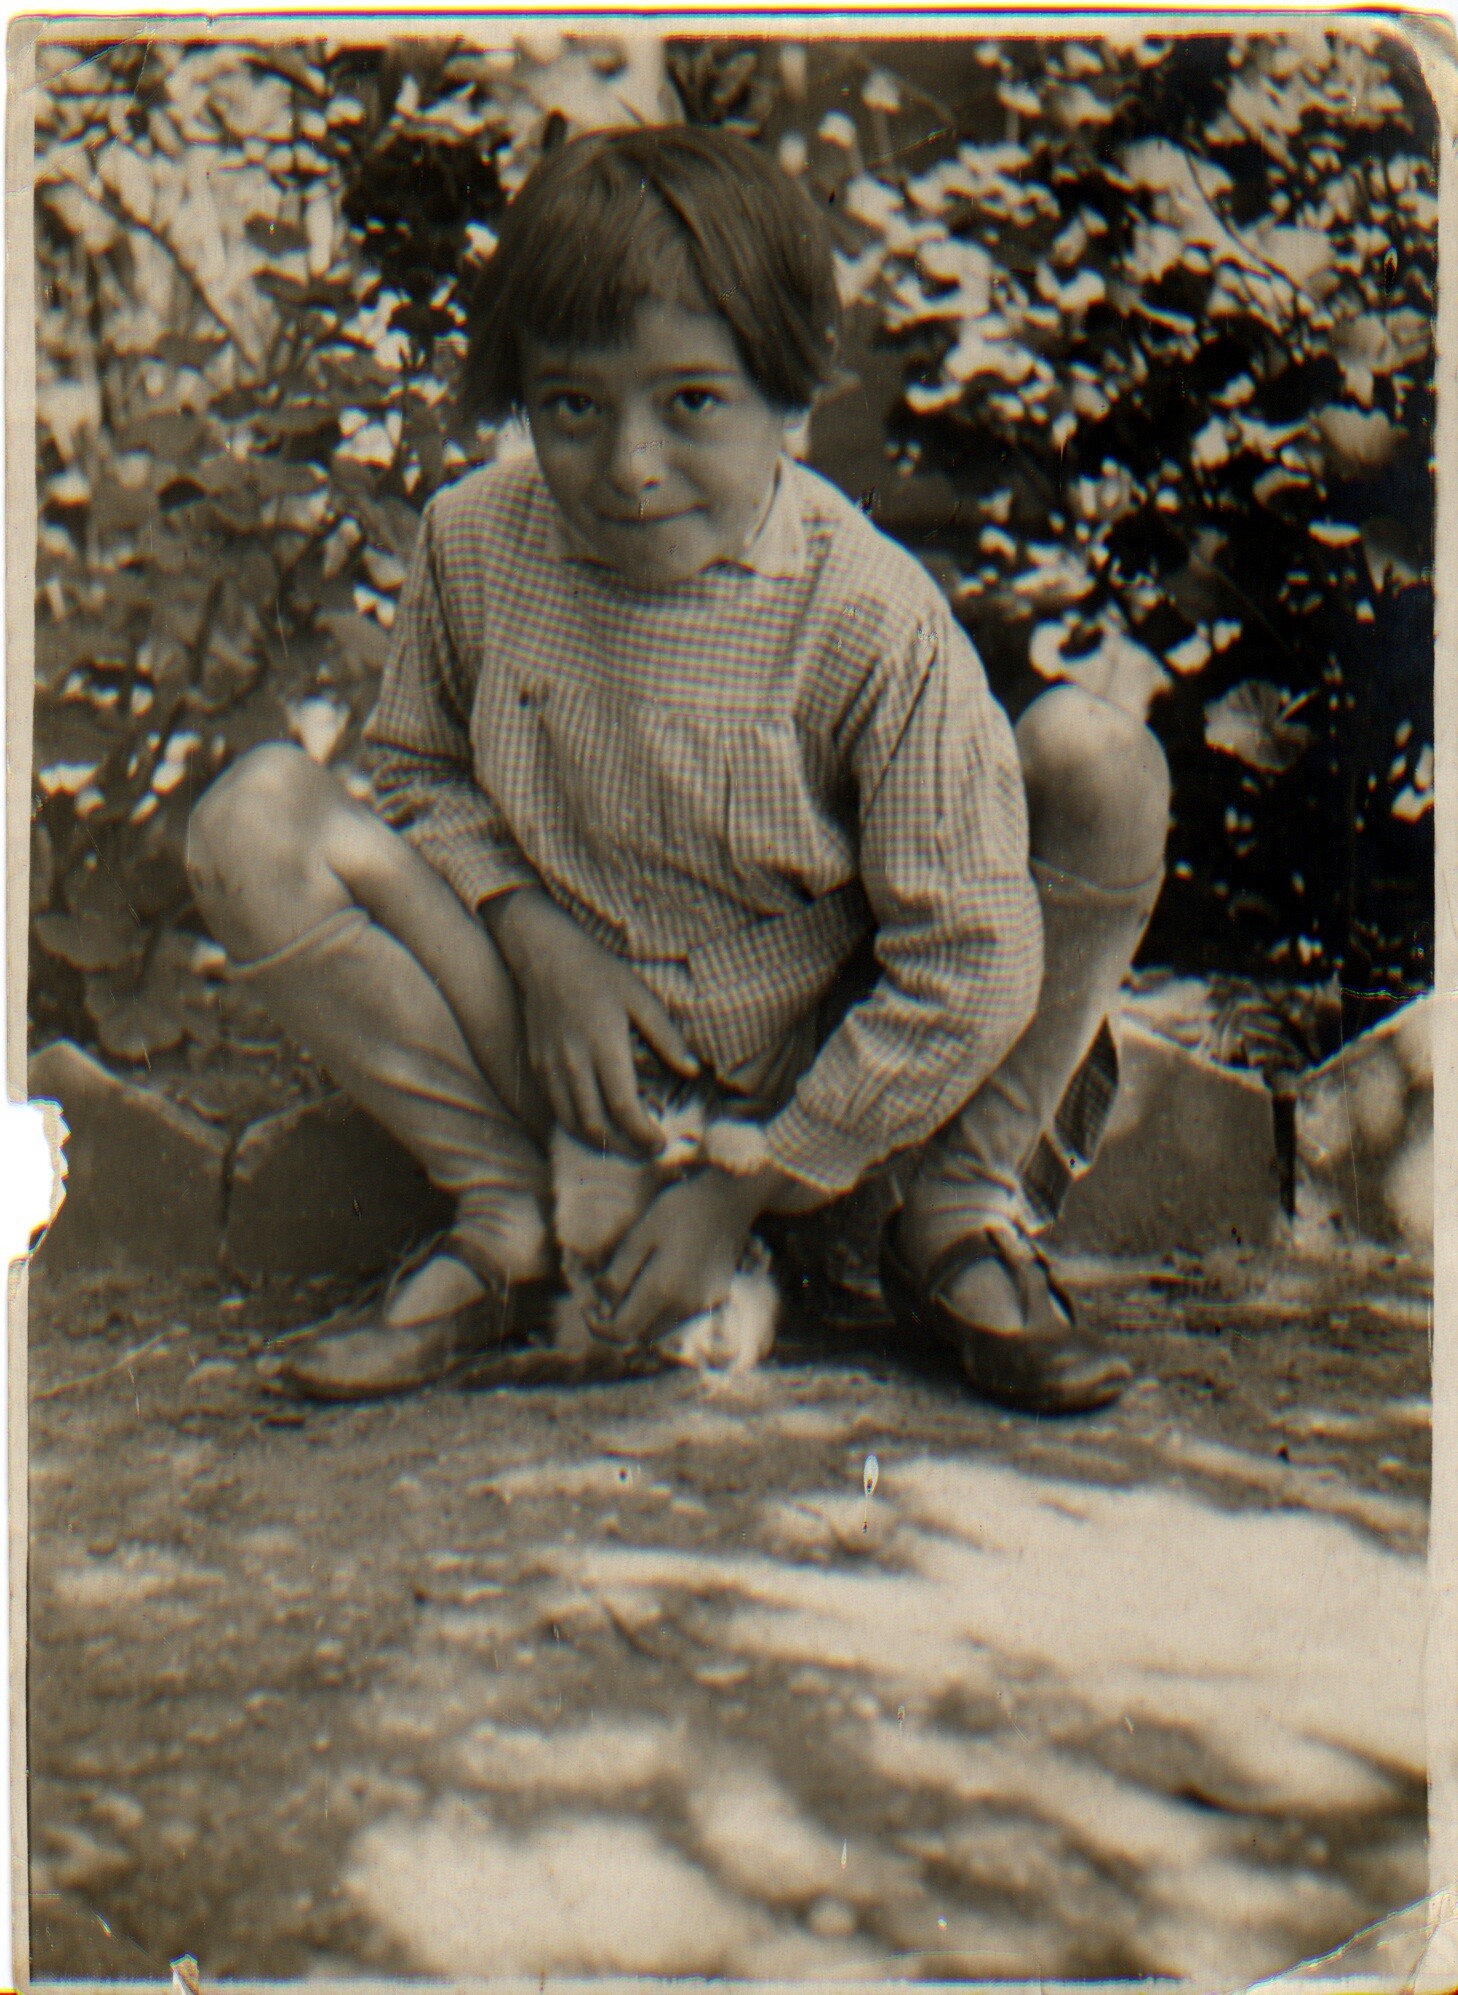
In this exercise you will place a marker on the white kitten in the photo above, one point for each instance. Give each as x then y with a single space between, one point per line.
597 1196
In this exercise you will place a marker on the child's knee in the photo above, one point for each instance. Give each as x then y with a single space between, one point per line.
1098 787
252 833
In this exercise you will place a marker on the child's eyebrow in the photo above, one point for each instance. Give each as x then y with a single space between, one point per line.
554 375
695 371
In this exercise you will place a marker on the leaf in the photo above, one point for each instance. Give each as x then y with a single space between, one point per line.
179 492
1057 577
259 717
286 62
1116 669
1410 805
283 288
1210 448
288 291
371 444
1074 105
1393 560
69 488
1193 655
1271 484
276 477
133 1024
226 482
1334 533
235 404
274 235
1357 445
94 890
90 942
118 508
318 724
58 646
1373 343
295 419
173 435
360 637
254 574
188 349
135 1021
70 731
391 525
1303 255
1252 722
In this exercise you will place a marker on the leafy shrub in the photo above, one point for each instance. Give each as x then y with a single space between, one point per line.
1139 365
1144 363
237 423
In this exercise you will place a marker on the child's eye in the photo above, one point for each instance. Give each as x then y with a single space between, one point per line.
572 404
697 401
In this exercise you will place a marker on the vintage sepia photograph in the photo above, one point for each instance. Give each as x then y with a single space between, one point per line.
731 807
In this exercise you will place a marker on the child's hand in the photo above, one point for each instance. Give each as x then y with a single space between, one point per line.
680 1257
579 1003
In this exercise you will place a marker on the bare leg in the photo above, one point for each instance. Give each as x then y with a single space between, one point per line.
1098 807
408 1004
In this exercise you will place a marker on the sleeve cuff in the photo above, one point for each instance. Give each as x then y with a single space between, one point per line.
479 871
830 1159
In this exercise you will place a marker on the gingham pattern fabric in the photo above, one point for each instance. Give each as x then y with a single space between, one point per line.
728 783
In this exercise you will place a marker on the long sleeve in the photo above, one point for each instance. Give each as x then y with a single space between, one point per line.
944 865
421 763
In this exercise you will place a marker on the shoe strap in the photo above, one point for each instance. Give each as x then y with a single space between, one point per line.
456 1246
461 1247
1026 1265
986 1243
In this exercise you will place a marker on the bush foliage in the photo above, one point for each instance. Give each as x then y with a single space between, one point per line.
1138 362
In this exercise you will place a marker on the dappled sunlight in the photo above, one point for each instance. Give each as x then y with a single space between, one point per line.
599 1896
621 1682
1047 1726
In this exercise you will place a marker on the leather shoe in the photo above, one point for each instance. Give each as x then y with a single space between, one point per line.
1049 1366
357 1355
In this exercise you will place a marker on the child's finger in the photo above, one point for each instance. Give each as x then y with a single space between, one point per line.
592 1122
620 1091
623 1286
634 1250
643 1309
559 1096
661 1033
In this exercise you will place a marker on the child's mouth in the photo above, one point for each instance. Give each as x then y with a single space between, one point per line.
622 521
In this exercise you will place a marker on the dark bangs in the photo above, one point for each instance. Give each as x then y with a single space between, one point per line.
698 218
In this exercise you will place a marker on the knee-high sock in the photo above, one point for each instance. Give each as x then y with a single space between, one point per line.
375 1020
986 1163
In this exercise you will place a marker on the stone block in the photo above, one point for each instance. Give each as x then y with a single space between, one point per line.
323 1189
1364 1133
1188 1160
144 1177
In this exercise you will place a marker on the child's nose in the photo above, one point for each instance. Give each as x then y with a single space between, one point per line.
635 457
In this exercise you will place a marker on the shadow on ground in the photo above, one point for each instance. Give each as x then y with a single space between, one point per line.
634 1678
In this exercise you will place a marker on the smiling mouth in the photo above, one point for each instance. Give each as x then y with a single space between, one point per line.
642 519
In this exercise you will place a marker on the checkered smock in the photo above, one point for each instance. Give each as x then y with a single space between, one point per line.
730 783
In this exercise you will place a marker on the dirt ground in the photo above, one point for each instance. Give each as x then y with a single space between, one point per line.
635 1678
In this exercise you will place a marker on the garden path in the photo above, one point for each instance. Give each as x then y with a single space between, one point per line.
635 1677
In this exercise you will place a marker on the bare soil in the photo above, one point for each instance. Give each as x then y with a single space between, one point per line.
324 1691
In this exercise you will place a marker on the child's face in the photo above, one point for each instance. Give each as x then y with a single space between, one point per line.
660 452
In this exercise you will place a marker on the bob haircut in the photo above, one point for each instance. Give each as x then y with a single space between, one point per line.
609 220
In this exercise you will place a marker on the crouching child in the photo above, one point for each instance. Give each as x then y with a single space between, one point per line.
671 739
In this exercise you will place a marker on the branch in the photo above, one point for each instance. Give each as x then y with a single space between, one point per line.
116 210
1273 269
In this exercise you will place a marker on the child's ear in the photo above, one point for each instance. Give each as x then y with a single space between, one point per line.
797 432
